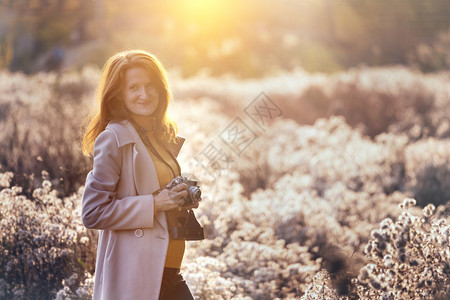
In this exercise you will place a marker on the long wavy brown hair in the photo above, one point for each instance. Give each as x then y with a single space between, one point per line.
109 103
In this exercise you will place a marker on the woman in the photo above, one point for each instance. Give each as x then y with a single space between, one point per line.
134 145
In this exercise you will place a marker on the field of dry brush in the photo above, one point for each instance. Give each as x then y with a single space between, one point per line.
315 186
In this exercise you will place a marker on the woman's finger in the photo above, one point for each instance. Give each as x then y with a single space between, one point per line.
179 187
179 195
170 183
176 202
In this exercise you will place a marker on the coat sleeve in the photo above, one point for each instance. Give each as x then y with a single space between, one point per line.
100 207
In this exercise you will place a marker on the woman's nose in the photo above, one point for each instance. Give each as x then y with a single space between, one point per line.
143 93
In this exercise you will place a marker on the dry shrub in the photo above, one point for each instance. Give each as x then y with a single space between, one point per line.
409 258
428 171
330 151
368 101
320 288
309 201
250 259
43 245
41 128
394 99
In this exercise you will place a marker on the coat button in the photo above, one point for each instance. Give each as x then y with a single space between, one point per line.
138 233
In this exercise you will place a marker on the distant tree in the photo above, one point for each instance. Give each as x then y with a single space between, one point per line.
432 57
38 26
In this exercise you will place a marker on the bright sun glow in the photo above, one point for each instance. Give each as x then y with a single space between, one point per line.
209 18
200 9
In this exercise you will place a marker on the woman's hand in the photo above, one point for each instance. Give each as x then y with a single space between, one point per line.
193 205
172 198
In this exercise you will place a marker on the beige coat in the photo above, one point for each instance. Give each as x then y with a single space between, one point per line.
117 199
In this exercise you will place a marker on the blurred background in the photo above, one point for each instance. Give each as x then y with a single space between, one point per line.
319 203
245 38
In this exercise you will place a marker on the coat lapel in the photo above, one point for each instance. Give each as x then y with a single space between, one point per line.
175 149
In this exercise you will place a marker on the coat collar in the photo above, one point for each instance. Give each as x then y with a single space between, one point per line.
126 134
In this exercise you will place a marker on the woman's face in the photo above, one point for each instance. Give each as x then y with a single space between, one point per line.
139 93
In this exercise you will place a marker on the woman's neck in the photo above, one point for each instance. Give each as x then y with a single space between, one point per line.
145 122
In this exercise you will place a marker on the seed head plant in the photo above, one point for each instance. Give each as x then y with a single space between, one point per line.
410 257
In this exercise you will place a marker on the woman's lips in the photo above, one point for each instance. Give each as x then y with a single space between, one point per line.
144 102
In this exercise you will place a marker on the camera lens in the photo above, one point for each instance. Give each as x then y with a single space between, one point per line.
195 192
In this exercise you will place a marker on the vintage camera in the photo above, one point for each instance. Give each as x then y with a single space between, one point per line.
194 192
182 222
